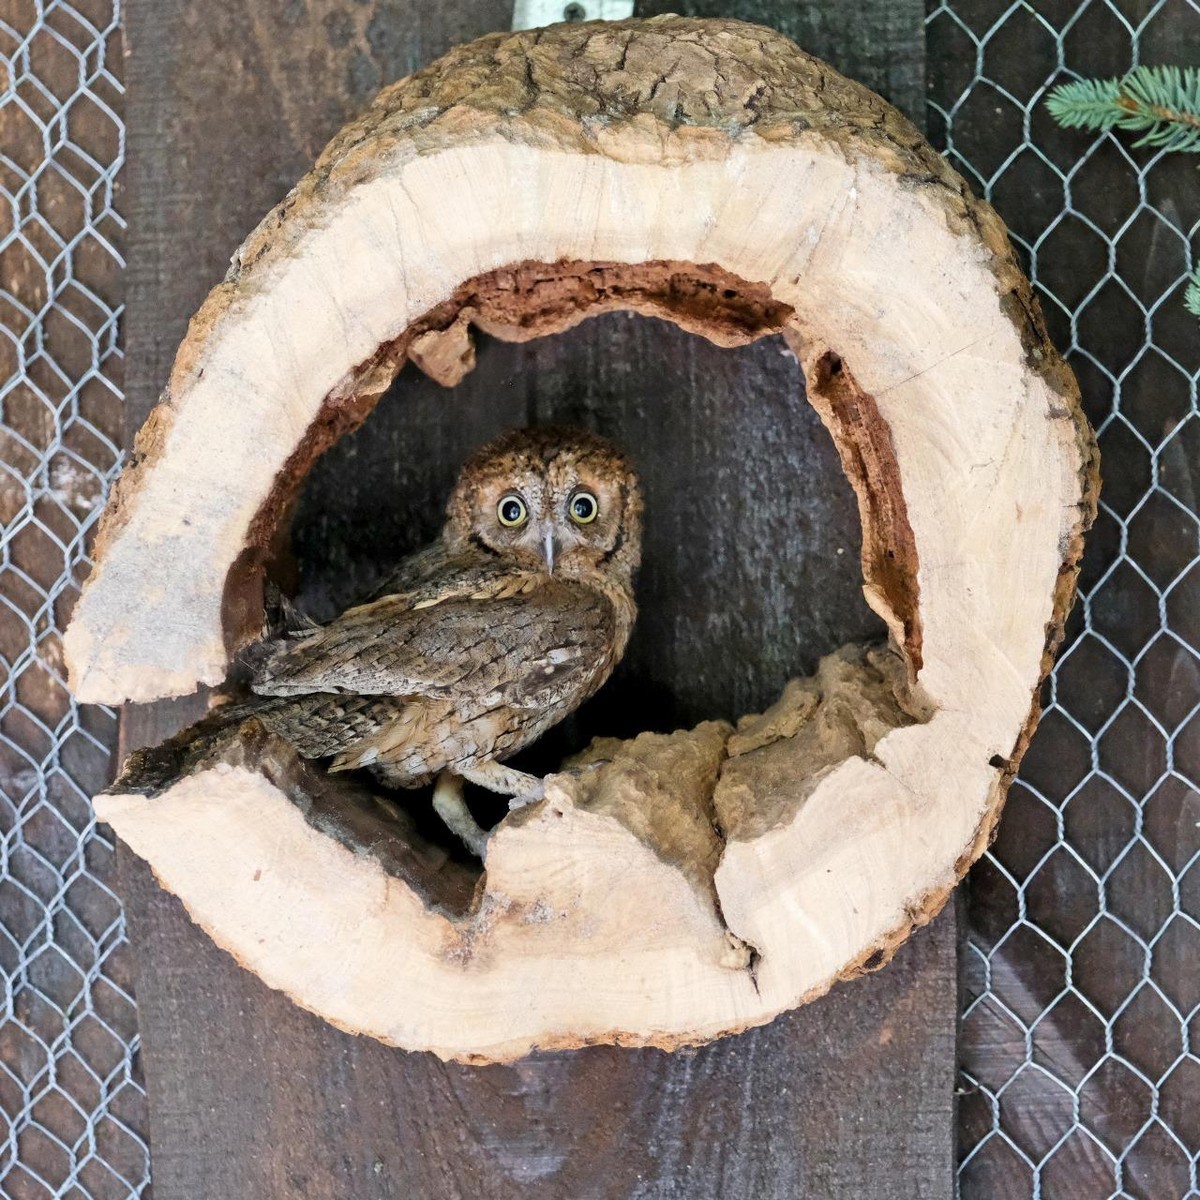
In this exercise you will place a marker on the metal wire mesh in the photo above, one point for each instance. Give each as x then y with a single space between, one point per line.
1082 973
68 1030
1082 992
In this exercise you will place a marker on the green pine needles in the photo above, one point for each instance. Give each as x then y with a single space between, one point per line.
1160 103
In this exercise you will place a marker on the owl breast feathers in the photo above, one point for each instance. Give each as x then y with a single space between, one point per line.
513 617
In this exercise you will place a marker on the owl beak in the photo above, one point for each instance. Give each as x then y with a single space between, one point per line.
548 549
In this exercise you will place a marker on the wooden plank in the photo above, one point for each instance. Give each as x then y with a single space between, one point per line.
251 1096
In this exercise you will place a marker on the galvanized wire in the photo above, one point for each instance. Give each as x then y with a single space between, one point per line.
68 1029
1080 1074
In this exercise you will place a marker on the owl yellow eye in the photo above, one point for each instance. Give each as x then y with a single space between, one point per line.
511 511
583 508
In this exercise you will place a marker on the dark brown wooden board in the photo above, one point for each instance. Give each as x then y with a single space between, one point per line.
751 573
252 1097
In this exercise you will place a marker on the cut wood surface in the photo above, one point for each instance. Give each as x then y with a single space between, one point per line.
745 190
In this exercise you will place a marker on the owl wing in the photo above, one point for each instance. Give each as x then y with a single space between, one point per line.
523 641
429 564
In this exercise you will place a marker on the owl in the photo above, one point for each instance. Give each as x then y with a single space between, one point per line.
480 642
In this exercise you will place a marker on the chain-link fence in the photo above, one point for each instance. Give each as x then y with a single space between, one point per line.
1082 973
1082 997
68 1029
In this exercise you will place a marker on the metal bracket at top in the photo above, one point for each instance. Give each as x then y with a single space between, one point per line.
532 14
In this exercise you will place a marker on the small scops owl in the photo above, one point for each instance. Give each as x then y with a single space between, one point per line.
512 618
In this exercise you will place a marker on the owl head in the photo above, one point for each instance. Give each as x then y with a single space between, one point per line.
563 501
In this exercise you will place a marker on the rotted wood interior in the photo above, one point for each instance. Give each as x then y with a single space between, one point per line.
520 303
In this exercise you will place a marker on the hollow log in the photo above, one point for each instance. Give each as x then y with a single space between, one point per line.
672 888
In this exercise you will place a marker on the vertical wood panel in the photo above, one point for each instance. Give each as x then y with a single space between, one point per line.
252 1097
743 585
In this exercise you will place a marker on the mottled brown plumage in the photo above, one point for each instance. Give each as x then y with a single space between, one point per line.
484 639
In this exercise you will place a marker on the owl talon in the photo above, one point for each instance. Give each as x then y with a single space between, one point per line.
535 793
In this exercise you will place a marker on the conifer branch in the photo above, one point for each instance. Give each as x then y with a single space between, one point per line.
1191 298
1161 103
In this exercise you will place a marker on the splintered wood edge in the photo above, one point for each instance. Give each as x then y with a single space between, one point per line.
748 189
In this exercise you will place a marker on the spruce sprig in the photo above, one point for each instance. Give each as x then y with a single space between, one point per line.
1161 103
